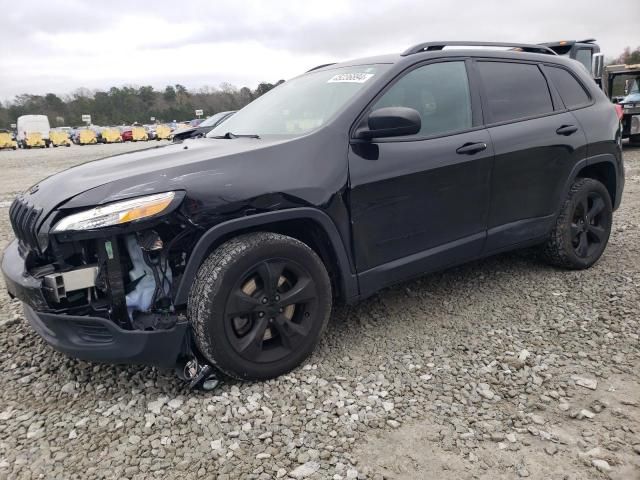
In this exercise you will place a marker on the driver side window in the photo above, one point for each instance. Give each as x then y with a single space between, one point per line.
439 92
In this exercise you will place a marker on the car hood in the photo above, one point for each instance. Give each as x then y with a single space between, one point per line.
142 172
184 133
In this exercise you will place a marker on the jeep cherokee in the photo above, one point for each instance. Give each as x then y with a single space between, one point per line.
229 250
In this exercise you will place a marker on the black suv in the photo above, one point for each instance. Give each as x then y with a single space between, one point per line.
230 250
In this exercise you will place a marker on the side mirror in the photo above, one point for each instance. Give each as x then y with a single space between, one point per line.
597 65
391 122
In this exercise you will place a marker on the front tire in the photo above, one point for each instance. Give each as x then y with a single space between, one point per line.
259 304
583 226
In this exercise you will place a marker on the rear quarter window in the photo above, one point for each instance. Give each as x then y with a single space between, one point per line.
514 90
573 94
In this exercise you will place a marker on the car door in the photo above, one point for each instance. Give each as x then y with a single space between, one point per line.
420 202
537 143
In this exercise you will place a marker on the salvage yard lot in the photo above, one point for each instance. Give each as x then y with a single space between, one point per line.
476 372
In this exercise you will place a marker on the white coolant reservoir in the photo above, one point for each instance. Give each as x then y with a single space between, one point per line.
141 298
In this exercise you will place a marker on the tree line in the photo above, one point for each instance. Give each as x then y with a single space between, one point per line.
628 57
129 104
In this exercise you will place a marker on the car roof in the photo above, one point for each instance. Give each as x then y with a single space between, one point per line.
448 53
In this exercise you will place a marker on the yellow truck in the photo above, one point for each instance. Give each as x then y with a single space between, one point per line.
6 141
139 134
163 132
86 136
59 138
34 140
111 135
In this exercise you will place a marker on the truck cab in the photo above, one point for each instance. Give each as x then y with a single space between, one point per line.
621 83
587 52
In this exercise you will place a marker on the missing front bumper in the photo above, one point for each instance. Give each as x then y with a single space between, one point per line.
96 339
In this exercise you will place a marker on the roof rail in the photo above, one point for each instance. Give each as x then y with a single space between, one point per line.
432 46
320 66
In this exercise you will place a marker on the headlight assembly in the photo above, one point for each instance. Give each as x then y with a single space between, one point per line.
116 213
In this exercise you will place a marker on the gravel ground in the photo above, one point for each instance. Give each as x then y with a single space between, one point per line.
500 369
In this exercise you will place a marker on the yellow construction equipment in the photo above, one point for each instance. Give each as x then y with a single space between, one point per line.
111 135
34 139
87 136
59 138
6 141
163 132
139 134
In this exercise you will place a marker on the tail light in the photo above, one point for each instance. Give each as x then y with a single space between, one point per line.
619 111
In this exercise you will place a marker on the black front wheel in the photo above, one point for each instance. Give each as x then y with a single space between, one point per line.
259 305
583 226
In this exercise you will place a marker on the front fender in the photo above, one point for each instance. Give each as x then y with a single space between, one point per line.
210 237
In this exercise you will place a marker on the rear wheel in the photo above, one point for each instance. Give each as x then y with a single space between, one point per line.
582 229
259 305
634 140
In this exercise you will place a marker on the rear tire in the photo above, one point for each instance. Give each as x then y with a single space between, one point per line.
259 305
583 226
634 140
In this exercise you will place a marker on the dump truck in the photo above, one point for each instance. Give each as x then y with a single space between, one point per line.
621 83
587 52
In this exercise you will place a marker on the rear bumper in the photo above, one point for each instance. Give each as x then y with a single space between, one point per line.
88 338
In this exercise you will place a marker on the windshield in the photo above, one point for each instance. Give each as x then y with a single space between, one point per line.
211 121
625 86
301 104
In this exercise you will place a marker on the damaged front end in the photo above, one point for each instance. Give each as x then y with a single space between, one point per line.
99 284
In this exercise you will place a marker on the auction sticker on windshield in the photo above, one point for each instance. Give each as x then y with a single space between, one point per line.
350 78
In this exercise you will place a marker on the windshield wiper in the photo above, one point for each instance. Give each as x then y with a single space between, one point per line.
230 136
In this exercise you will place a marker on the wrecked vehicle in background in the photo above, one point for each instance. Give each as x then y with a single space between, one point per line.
111 135
621 83
163 132
139 134
7 141
59 138
203 127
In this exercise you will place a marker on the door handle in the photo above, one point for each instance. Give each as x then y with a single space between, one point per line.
471 148
567 130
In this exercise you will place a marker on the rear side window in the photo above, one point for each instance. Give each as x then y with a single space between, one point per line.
514 90
572 93
584 57
440 94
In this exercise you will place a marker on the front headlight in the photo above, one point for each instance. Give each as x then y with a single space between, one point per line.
116 213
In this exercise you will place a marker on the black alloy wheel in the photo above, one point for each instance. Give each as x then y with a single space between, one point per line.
582 227
269 311
588 228
259 305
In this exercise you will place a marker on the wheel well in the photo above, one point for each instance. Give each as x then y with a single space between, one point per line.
307 231
605 173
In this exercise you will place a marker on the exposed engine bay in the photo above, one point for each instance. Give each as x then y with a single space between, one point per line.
127 278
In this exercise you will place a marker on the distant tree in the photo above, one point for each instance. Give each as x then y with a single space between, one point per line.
263 88
127 104
169 93
629 57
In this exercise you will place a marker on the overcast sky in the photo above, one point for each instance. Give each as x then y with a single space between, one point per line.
61 45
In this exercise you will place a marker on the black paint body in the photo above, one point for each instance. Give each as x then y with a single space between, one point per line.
389 209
